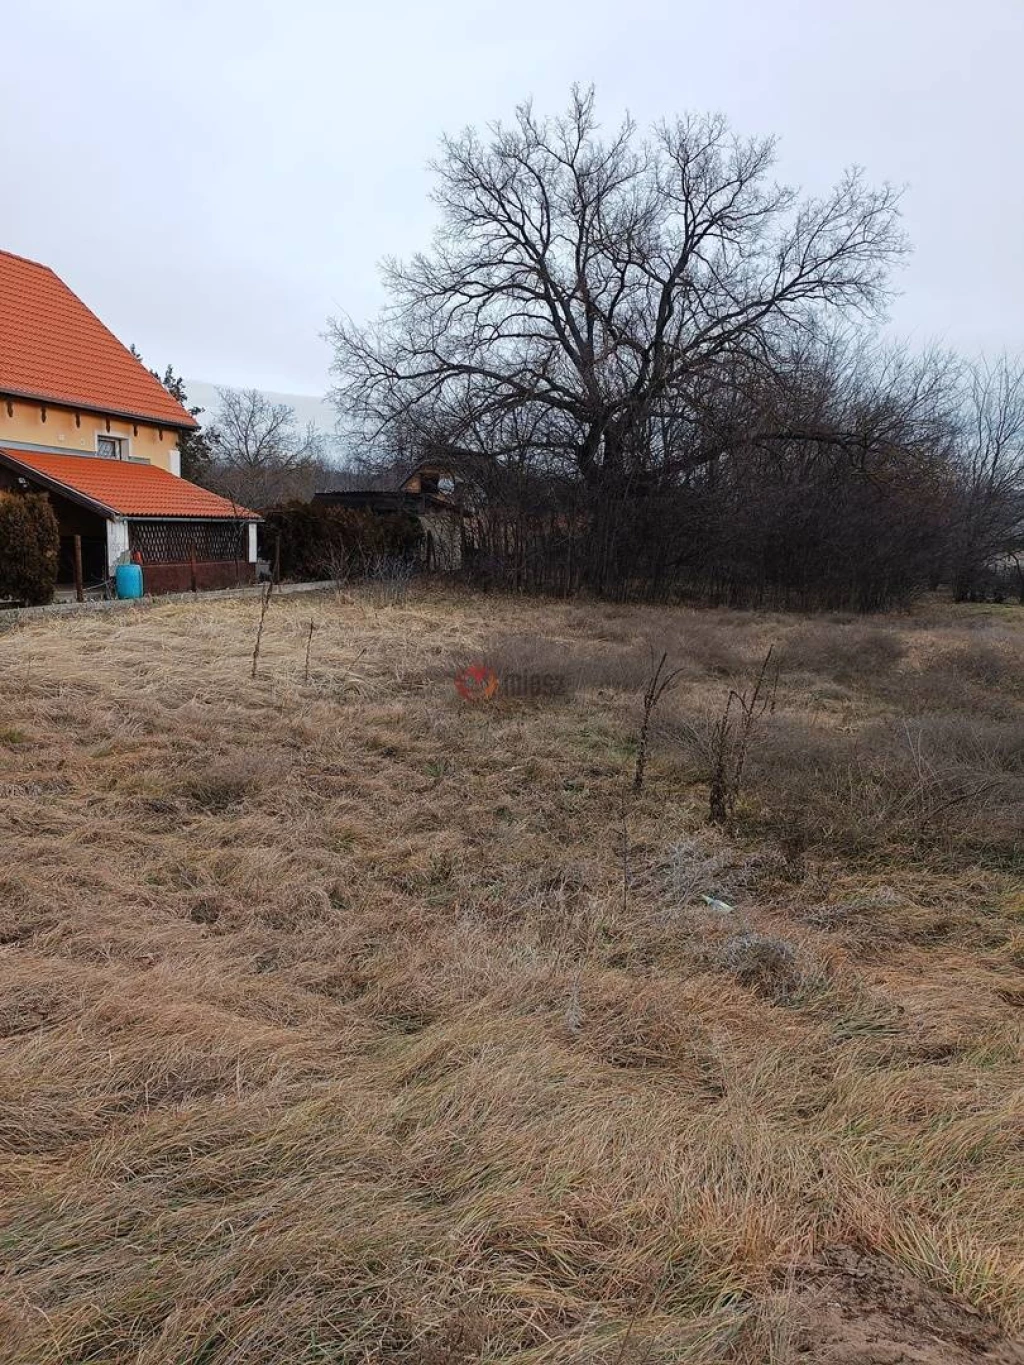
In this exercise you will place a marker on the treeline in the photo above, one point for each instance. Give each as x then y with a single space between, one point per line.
251 449
657 373
801 509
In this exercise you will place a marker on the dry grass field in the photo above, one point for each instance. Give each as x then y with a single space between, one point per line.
348 1020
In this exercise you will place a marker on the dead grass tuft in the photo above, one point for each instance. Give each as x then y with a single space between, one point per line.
771 967
225 783
847 651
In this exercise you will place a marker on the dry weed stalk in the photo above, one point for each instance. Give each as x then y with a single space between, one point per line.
657 685
730 742
625 857
264 604
309 646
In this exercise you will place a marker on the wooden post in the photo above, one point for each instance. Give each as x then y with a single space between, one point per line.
79 590
277 558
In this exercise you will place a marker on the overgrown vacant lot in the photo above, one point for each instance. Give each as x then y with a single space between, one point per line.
347 1020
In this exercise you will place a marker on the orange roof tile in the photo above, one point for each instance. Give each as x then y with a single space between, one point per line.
53 347
124 489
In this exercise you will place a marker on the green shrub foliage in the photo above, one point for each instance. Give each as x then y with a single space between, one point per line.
29 548
319 541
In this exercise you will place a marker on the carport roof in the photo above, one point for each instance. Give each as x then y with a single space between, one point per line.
122 489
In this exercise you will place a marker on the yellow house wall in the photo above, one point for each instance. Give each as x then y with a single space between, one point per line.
21 420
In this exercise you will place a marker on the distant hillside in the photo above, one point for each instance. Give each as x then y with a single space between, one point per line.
307 408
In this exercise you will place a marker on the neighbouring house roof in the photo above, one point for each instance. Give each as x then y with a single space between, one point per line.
117 489
418 491
388 500
53 348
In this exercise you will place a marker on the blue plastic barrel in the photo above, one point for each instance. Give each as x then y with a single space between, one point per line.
128 580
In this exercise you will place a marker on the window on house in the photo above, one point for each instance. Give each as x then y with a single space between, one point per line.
110 447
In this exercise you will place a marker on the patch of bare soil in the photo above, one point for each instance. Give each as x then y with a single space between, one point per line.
864 1310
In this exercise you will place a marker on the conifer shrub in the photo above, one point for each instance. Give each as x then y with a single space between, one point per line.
29 548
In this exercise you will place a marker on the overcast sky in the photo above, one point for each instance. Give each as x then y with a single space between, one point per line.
216 178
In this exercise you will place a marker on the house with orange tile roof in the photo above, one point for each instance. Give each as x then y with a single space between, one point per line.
82 419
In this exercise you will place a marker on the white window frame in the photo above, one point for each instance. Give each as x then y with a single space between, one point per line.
124 449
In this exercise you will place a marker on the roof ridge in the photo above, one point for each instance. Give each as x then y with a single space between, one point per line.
28 260
55 348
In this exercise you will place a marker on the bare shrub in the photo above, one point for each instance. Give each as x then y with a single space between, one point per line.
388 579
731 737
339 568
659 682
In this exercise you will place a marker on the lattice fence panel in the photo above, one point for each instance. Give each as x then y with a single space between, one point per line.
175 542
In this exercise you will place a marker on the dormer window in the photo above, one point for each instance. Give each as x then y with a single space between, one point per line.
110 447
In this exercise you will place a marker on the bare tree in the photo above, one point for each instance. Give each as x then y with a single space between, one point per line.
260 455
587 289
988 528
